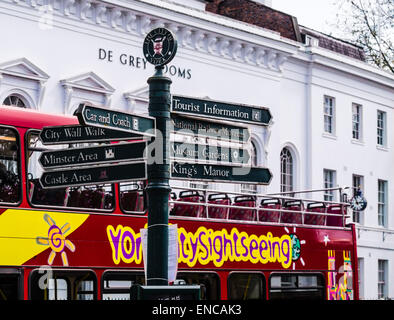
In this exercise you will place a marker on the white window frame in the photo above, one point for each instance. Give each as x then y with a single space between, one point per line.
357 122
381 127
329 115
287 178
382 203
329 181
382 278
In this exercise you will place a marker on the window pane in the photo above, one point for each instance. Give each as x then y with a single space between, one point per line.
328 111
246 286
286 161
329 182
293 286
132 197
10 182
382 202
15 101
9 287
116 285
381 128
62 285
209 282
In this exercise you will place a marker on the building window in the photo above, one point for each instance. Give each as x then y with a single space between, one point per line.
15 101
356 121
329 183
382 279
357 184
381 128
329 115
253 161
382 203
286 171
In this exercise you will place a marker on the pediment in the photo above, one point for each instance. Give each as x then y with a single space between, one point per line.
89 81
141 94
23 68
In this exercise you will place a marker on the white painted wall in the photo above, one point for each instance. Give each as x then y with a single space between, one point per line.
222 63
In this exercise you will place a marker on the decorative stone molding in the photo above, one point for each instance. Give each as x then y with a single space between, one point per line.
139 23
88 82
139 97
22 68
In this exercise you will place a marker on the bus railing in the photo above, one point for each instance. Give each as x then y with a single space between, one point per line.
286 209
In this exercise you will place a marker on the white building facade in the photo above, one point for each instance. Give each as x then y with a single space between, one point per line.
332 114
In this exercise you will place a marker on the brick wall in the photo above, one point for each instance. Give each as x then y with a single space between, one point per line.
260 15
257 14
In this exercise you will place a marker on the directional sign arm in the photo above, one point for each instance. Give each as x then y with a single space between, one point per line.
94 175
119 152
221 173
116 120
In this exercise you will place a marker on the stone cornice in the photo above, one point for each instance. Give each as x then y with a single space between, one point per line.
123 18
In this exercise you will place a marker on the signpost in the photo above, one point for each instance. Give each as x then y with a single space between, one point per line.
221 110
159 49
199 152
203 128
94 175
126 161
119 152
112 119
221 173
80 133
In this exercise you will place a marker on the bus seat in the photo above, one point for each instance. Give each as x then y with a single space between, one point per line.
186 210
73 197
337 220
9 192
129 200
50 197
242 213
93 199
294 216
315 219
218 212
268 215
108 200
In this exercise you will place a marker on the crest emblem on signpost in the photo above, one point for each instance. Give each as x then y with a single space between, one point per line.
159 46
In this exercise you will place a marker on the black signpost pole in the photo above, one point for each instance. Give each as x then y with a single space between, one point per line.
159 48
158 188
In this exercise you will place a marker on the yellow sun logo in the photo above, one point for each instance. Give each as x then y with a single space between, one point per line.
56 240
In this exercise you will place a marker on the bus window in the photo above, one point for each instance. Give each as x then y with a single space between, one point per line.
296 286
116 284
10 286
63 285
209 282
246 286
92 197
132 197
10 182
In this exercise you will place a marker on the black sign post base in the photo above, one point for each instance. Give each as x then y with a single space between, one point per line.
158 188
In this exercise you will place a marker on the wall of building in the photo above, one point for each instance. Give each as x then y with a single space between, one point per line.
58 56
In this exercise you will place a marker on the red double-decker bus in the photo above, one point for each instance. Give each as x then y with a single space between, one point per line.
84 243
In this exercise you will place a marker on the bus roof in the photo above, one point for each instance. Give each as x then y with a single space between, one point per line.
28 118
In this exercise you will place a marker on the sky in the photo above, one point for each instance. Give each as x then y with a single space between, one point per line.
315 14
